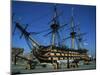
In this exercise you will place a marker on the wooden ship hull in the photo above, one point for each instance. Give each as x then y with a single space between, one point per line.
53 55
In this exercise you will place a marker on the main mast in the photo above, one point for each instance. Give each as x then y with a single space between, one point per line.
73 33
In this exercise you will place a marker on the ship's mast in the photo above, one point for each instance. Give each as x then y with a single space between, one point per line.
54 30
72 31
27 35
54 26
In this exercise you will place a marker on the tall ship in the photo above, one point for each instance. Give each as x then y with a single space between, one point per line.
57 51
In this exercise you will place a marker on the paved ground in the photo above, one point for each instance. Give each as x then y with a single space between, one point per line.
49 68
